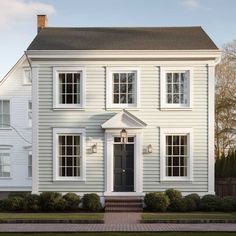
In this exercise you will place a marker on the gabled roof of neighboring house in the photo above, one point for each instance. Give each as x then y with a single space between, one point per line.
126 38
18 63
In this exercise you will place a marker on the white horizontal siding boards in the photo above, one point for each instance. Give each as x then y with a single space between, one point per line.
95 114
19 94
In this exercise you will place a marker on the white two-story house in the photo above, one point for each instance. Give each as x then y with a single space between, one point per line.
123 111
16 129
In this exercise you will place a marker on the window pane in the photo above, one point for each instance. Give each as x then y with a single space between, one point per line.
116 88
123 88
176 77
116 98
122 98
115 77
131 77
169 77
123 77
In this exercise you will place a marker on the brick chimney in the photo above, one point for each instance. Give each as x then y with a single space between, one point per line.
42 22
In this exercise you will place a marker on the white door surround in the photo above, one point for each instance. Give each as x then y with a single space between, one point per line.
113 128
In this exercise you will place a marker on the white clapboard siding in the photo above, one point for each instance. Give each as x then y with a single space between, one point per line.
95 114
13 88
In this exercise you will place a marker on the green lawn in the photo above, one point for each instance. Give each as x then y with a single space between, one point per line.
189 216
51 216
120 234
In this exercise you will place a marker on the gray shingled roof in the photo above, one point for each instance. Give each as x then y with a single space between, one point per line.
145 38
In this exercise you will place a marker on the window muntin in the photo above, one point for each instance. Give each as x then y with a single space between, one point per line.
69 87
27 76
69 155
5 165
176 159
4 113
30 113
177 88
124 88
30 164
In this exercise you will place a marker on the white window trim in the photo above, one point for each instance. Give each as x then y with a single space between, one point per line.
65 69
176 131
10 104
25 81
8 148
61 131
109 89
164 104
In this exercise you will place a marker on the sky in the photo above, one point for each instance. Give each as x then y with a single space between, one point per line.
18 19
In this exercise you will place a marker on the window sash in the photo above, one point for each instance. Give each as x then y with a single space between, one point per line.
176 158
124 87
69 88
30 164
177 88
5 165
4 113
69 155
30 113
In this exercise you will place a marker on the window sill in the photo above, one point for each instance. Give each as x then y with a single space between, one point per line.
5 178
176 109
5 129
176 180
69 180
122 108
69 108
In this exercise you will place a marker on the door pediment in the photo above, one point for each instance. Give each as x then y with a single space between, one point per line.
124 119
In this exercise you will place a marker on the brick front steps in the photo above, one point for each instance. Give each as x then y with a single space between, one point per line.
123 204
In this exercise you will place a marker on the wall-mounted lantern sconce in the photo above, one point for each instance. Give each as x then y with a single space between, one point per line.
123 136
149 148
94 148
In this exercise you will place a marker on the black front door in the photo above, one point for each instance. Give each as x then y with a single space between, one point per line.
123 167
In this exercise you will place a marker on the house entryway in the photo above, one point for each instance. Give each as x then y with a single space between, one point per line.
124 166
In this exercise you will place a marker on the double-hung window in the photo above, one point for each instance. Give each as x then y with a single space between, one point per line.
30 164
122 88
4 114
176 84
27 76
69 87
5 163
176 154
30 113
69 154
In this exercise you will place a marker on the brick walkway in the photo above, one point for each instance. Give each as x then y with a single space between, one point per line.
116 227
126 222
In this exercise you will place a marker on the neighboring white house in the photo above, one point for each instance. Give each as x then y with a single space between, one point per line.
16 129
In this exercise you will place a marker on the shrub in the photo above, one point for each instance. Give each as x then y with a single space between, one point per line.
192 202
173 194
176 203
18 194
228 204
210 203
72 201
2 205
51 201
91 202
33 202
156 201
16 203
